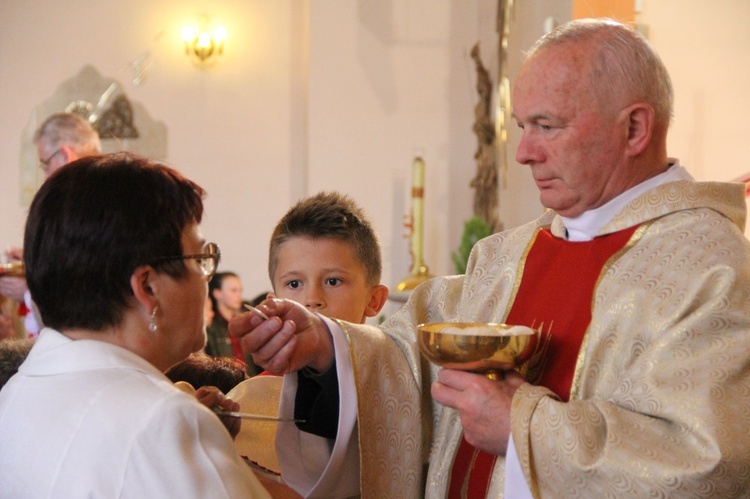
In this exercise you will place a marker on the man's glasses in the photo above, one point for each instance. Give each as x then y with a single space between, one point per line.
207 261
45 162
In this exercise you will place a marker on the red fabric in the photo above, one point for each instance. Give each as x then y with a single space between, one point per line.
555 271
479 479
237 348
462 463
561 270
22 310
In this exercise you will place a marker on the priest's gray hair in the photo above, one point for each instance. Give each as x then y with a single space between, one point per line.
622 60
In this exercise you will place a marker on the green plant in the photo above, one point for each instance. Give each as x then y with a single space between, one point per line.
475 229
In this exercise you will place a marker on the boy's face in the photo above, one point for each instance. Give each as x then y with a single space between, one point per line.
324 275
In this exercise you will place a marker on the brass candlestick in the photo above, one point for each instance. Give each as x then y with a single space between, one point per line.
419 271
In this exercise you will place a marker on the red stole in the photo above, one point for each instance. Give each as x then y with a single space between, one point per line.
555 271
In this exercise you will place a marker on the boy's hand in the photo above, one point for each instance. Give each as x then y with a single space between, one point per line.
289 340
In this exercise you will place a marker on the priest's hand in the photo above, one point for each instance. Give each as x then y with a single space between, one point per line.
484 405
291 338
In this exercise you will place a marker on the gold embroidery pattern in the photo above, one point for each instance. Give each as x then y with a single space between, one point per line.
389 426
575 386
533 369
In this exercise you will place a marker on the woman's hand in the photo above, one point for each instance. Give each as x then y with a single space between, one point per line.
212 397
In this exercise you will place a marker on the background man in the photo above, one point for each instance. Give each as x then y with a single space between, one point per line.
61 139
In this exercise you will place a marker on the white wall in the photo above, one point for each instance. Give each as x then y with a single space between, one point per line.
381 88
705 46
338 94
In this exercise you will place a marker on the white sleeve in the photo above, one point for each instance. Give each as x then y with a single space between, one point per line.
515 482
315 466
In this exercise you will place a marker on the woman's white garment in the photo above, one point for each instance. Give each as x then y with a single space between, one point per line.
87 418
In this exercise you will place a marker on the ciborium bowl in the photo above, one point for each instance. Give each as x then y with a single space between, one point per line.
478 347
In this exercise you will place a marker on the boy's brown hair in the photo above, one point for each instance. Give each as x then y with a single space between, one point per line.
330 215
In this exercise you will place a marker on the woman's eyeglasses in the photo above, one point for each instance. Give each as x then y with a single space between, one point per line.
207 261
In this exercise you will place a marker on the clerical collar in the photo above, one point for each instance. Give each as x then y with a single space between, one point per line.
587 225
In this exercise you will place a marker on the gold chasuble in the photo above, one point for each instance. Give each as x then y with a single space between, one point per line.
557 283
659 375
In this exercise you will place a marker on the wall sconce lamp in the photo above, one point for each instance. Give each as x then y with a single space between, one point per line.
204 42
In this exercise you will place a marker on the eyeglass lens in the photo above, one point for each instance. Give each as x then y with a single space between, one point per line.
208 265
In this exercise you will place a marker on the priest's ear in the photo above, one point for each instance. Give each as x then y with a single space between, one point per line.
640 127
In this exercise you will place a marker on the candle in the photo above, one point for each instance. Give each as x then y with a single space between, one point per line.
419 271
417 213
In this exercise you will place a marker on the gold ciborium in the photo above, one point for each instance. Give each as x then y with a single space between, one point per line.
478 347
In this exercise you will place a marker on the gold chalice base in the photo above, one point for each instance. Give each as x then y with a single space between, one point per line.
480 347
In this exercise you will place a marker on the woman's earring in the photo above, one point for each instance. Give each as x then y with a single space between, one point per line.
152 322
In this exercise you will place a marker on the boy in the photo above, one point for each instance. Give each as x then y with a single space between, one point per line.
325 255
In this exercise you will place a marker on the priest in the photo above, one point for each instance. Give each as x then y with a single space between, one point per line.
637 276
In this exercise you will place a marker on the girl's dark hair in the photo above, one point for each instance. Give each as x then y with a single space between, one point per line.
215 283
